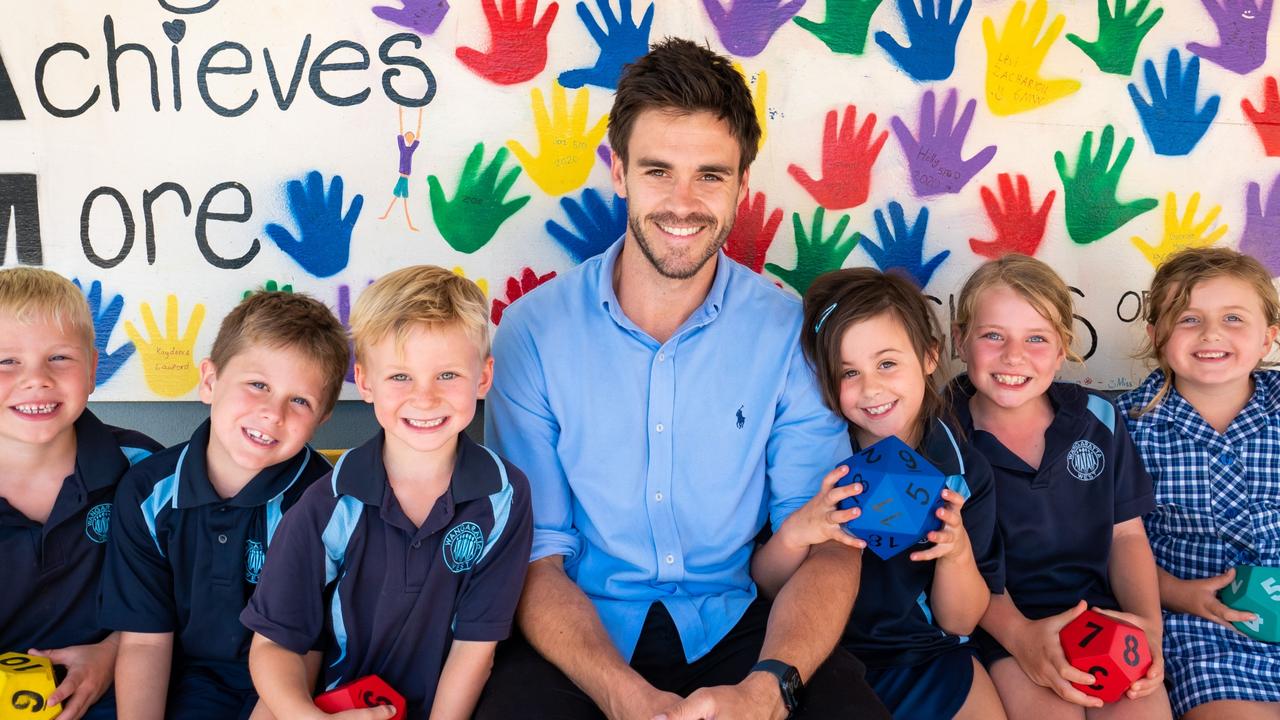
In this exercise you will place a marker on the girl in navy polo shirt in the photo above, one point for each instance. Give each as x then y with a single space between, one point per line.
1071 495
1207 424
874 344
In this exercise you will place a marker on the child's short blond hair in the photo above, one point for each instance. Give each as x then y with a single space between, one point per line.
1032 280
419 295
287 320
33 295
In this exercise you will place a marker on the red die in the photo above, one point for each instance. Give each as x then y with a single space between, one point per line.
1114 652
368 691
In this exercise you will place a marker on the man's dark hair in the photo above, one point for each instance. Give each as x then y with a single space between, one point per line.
681 76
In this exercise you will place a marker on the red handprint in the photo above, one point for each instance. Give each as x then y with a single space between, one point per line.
516 289
846 162
1019 226
752 233
1267 120
518 51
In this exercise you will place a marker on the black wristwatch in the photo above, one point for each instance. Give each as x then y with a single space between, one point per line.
788 681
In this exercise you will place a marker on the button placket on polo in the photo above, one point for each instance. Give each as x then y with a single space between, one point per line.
226 557
661 464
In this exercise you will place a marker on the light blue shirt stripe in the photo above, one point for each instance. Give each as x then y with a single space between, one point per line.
164 493
275 513
501 502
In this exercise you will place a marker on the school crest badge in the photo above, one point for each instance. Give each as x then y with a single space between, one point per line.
98 522
462 547
1084 461
254 555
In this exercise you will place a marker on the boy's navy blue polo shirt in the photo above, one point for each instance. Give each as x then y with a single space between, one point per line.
51 571
349 573
184 560
1056 522
892 624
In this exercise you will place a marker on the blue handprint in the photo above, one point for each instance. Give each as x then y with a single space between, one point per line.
344 317
932 34
424 16
903 247
1172 122
620 41
104 321
598 225
324 246
746 27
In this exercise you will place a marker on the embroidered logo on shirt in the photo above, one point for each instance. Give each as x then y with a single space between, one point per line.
254 556
98 522
742 419
462 547
1084 461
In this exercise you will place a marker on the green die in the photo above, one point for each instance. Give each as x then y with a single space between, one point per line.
1257 590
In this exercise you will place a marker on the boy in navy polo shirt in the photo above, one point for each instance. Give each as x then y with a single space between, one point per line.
59 466
192 524
408 561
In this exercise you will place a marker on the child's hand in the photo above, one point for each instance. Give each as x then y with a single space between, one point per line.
820 520
951 542
1200 597
1039 654
90 669
1154 631
381 712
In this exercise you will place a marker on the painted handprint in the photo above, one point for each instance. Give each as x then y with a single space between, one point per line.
1019 225
932 33
752 232
1092 209
815 254
596 224
1173 122
1014 58
846 161
621 41
845 27
518 48
746 26
104 323
344 317
268 286
516 289
470 219
566 148
1242 34
902 248
1119 35
1261 236
420 16
1267 120
759 84
323 245
1182 232
168 360
934 158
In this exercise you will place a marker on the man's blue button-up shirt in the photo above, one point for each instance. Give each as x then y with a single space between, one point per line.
653 466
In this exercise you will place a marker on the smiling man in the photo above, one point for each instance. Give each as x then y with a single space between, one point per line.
657 399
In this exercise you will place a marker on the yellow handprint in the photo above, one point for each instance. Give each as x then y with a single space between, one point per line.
759 96
168 361
481 283
1014 84
567 150
1181 233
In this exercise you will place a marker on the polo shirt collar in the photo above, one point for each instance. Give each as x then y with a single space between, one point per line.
707 312
196 489
99 461
361 474
1175 410
1068 400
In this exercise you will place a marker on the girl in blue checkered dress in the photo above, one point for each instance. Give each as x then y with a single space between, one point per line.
1207 424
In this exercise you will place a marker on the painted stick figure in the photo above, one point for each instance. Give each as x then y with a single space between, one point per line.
408 143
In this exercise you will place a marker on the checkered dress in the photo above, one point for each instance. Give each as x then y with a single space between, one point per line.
1217 505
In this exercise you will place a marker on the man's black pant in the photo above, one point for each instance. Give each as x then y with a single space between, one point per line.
525 685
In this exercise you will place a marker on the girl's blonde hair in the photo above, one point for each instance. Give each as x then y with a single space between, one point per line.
1033 281
1170 295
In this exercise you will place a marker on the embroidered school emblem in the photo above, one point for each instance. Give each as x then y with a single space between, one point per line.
462 547
98 522
1084 461
254 556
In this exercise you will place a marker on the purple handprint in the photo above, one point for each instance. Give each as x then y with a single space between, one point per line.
746 27
422 16
344 317
934 157
1261 236
1242 34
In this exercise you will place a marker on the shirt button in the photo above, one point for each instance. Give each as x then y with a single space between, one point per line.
659 427
222 539
671 559
417 544
662 356
657 496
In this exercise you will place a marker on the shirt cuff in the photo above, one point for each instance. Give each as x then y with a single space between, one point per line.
554 542
1135 508
291 640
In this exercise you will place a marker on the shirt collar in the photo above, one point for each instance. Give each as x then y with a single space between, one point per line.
99 461
195 488
707 312
1176 410
361 474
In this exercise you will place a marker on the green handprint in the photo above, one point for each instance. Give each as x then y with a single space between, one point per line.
814 255
1119 36
1092 209
470 220
269 286
845 28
